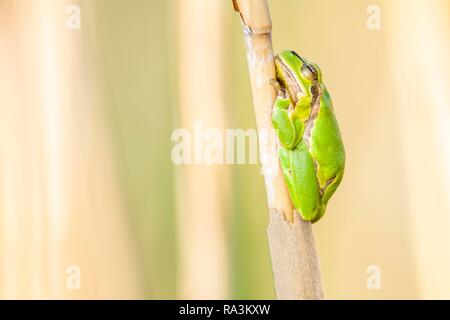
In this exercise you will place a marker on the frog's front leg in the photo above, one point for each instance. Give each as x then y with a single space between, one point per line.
289 129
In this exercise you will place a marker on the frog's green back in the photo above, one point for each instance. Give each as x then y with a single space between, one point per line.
313 165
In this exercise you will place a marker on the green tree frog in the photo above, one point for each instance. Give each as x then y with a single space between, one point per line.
311 152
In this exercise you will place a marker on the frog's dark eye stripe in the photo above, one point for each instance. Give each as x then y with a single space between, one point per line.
296 54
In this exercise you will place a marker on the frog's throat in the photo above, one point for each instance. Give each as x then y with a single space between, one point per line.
288 80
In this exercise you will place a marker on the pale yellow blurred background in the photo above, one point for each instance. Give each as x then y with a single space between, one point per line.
91 205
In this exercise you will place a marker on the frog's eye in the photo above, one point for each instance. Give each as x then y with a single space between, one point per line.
309 71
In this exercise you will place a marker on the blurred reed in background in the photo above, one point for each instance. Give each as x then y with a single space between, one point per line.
86 177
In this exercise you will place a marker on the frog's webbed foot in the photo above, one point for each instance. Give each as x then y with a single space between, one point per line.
326 192
330 187
276 84
281 91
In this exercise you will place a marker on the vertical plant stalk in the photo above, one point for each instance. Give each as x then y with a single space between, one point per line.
202 190
62 220
295 262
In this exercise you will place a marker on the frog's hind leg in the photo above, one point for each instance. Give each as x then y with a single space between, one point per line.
300 176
